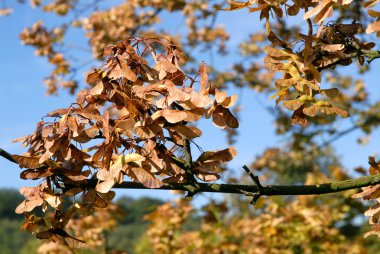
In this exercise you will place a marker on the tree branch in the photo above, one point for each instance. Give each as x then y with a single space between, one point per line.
7 156
339 135
370 54
269 190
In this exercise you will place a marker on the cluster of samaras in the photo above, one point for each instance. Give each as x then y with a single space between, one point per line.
299 89
140 115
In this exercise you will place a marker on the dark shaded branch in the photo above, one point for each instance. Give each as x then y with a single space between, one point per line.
187 152
7 155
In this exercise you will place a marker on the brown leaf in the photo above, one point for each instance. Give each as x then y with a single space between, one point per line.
104 187
218 117
58 112
332 92
144 177
33 199
188 132
204 78
220 96
97 90
222 155
222 117
106 127
332 47
175 93
73 125
340 112
373 27
368 192
372 210
94 78
128 73
89 114
53 200
194 115
207 177
326 12
292 104
200 101
208 166
311 111
27 162
45 234
20 139
92 198
34 174
229 101
309 14
5 11
168 70
299 117
87 134
28 205
235 5
114 174
172 116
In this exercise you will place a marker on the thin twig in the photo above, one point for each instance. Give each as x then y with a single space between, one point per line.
339 135
188 169
260 189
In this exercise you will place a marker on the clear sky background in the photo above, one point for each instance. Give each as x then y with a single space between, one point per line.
23 101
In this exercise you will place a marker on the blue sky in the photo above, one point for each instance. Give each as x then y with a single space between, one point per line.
23 101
